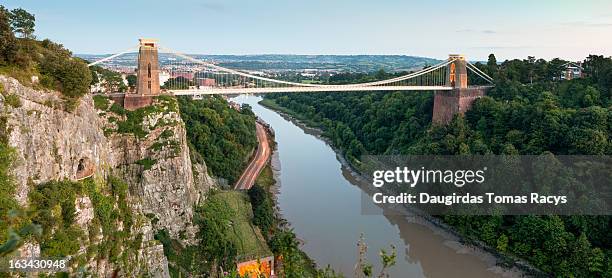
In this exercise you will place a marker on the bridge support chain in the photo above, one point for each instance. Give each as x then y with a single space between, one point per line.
456 101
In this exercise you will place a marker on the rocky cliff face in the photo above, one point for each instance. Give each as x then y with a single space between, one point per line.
146 149
155 161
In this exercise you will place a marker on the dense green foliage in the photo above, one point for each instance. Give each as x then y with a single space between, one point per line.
108 80
22 22
214 219
363 123
263 208
133 122
8 45
223 136
530 111
101 102
226 236
54 207
7 184
51 62
182 260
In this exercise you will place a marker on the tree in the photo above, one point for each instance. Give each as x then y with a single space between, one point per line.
22 22
492 64
131 79
8 47
263 211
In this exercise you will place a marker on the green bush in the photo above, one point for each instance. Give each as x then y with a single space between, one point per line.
7 187
53 204
13 100
224 137
101 102
52 62
147 163
118 109
133 122
263 208
69 75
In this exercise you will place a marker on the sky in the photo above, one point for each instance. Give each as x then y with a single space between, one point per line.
510 29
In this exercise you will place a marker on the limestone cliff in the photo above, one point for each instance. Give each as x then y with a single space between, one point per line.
94 143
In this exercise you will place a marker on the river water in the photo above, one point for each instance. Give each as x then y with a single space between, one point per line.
318 196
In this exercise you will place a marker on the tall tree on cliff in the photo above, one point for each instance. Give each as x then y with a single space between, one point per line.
22 22
8 46
492 66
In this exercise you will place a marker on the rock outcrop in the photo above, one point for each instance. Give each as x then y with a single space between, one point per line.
90 142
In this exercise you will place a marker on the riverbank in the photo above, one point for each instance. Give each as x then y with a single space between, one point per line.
506 263
269 180
258 161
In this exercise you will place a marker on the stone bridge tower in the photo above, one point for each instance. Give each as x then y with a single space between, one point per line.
460 98
148 68
147 84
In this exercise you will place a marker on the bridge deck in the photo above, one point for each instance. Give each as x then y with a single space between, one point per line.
336 88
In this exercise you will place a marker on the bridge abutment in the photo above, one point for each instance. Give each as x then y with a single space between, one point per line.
458 100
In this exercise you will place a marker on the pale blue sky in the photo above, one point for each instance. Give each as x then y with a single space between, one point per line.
510 29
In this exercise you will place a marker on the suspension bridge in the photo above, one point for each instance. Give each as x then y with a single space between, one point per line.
183 75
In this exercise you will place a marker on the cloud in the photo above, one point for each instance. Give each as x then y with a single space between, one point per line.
587 24
501 47
213 6
487 32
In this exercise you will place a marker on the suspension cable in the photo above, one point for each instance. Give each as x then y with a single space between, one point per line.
132 49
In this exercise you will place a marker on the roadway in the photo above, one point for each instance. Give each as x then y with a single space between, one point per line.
258 162
298 89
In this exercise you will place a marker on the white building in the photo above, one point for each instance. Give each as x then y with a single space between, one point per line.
163 77
572 70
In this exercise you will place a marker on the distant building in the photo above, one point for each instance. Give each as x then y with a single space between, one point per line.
186 75
531 59
234 105
205 82
308 74
261 267
164 76
572 70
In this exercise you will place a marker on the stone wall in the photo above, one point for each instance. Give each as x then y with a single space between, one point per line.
448 103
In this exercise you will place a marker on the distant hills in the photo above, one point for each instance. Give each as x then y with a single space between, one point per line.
346 63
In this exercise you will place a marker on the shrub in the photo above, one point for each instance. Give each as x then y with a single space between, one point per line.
12 100
117 109
147 163
101 102
69 75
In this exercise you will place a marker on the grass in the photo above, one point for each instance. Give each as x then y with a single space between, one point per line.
10 99
266 178
133 122
101 102
247 237
13 100
24 76
235 209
